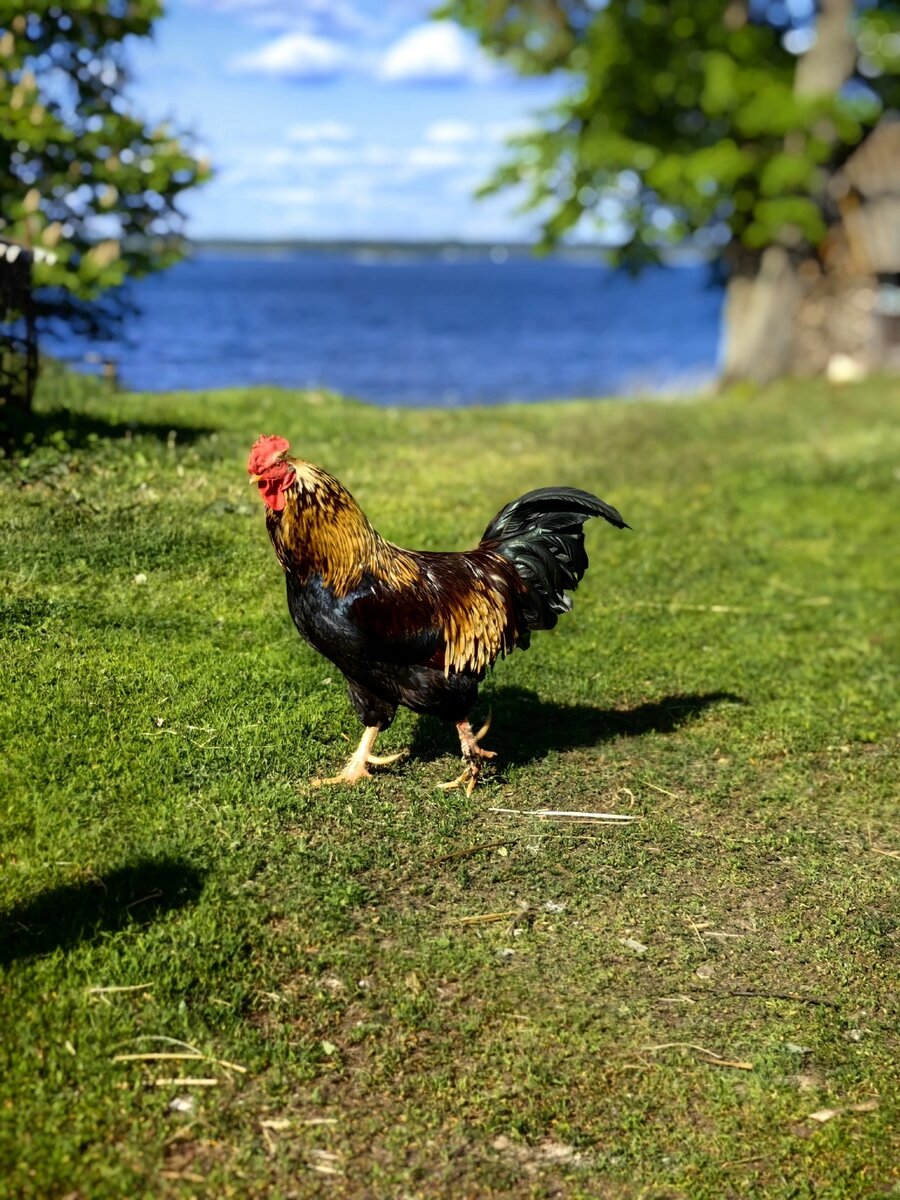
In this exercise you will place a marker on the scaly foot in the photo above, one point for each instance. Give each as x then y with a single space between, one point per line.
468 780
351 774
472 754
355 770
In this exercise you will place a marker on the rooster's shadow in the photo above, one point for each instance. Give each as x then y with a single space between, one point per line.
62 917
524 728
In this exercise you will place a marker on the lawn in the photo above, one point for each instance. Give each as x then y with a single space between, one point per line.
397 991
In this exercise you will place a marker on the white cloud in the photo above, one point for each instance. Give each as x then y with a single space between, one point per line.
275 156
319 131
325 156
451 133
376 154
434 158
298 56
330 179
250 165
383 165
290 197
438 52
326 18
362 205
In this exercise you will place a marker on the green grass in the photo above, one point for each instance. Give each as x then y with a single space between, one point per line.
728 675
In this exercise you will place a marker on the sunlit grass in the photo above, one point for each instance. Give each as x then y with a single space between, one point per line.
728 675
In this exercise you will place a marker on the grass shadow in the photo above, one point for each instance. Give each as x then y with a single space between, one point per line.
65 916
525 728
75 430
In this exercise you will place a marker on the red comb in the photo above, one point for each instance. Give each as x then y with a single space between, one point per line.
265 451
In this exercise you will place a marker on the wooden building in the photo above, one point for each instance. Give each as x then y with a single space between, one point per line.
850 309
18 335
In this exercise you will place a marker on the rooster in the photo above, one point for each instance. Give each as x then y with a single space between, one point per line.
415 627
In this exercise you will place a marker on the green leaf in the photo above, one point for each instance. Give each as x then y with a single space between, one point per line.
100 176
692 104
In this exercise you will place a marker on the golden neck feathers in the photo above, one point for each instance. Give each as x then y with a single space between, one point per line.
322 531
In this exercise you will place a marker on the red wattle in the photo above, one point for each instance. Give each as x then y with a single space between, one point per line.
275 483
272 491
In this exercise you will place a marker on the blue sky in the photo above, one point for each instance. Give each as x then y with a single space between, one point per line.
335 118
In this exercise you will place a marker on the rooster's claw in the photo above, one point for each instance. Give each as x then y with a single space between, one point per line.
355 770
471 752
468 779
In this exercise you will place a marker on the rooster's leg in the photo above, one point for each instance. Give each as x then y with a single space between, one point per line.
362 758
472 754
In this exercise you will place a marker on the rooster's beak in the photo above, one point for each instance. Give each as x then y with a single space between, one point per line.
255 478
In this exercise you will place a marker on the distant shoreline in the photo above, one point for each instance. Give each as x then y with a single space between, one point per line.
446 251
393 249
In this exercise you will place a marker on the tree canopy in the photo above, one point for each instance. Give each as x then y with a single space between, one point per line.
690 119
81 175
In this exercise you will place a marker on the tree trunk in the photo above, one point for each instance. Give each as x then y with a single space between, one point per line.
829 62
762 319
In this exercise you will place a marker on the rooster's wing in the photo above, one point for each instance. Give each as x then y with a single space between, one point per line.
455 611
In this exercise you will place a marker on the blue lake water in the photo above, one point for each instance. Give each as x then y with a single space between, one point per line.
417 331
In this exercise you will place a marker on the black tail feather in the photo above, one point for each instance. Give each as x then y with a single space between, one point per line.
554 508
541 534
